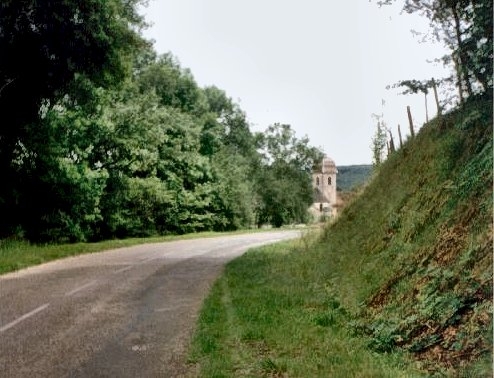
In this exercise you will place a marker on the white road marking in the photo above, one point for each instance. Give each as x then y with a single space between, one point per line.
23 317
143 261
123 269
171 308
147 260
76 290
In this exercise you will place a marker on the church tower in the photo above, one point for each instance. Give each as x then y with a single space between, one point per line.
324 184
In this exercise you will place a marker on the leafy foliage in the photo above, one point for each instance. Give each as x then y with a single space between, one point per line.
102 35
285 181
116 141
379 142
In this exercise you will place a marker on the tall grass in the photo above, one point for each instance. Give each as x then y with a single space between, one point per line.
276 313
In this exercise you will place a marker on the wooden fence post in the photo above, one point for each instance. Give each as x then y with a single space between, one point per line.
426 109
391 142
399 134
434 87
412 132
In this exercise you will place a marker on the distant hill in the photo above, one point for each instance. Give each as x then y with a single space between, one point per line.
351 176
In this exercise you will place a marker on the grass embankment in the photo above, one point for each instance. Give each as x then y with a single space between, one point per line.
276 313
400 285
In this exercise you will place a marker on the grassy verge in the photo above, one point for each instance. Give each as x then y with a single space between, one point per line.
400 285
275 313
16 254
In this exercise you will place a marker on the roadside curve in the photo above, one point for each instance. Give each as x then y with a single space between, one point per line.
122 313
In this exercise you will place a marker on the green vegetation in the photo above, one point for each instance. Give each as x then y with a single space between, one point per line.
350 177
399 285
115 141
275 313
379 141
118 142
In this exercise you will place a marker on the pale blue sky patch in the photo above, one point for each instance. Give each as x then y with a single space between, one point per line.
320 66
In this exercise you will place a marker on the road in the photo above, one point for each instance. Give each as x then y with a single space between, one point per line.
123 313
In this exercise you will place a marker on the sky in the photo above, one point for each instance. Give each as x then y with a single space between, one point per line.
321 66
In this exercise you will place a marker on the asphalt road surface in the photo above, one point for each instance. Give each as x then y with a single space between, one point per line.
123 313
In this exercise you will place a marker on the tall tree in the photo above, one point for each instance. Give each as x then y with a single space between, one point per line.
174 85
53 51
44 45
379 141
284 182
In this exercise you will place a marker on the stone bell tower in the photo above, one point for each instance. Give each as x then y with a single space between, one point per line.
324 184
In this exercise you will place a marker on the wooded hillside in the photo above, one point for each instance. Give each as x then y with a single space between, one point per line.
352 176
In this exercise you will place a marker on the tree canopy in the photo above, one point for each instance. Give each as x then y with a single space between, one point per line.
46 45
113 140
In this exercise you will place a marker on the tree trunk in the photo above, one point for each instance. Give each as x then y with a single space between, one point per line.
458 78
462 58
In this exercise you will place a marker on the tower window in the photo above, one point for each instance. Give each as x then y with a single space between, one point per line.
329 180
317 181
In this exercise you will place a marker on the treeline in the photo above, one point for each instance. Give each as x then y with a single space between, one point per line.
103 138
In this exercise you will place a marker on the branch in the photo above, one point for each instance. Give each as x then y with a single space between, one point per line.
413 86
6 84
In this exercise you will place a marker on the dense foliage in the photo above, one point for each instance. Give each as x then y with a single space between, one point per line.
115 141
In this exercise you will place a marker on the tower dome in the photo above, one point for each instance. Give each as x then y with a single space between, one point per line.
328 165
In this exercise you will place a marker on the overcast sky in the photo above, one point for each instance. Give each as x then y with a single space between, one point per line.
321 66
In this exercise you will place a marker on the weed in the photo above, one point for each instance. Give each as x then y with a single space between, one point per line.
271 369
